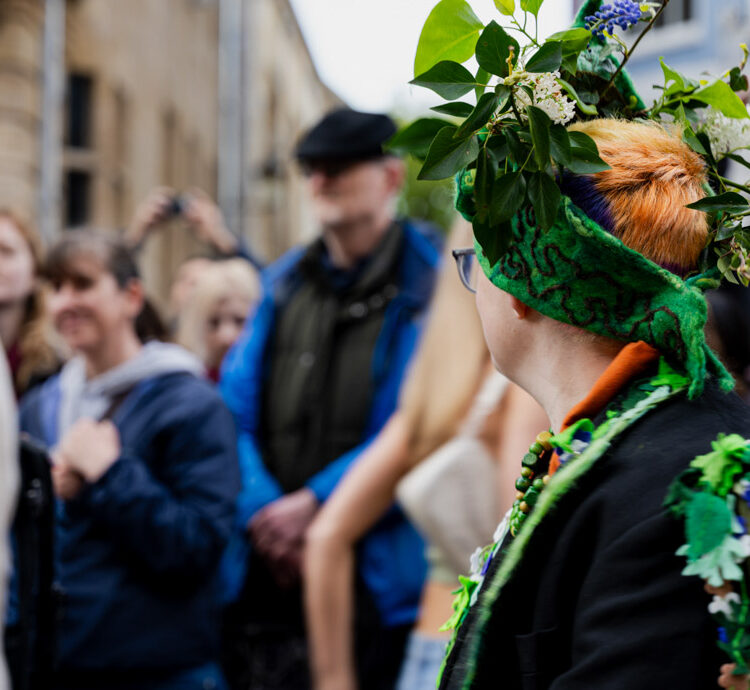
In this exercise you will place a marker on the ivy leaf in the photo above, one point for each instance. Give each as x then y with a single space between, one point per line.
585 108
545 198
507 7
450 33
457 109
679 82
531 6
546 59
728 202
559 144
484 183
447 79
720 96
480 116
539 125
737 80
448 155
508 196
493 49
708 523
494 239
497 145
573 40
416 138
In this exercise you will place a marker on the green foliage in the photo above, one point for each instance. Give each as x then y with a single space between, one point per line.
547 58
416 137
447 79
708 523
479 116
720 96
728 202
431 201
457 109
448 155
531 6
539 124
507 7
493 49
507 197
450 33
545 197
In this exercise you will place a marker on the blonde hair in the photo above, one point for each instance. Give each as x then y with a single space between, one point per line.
38 346
221 280
653 176
452 360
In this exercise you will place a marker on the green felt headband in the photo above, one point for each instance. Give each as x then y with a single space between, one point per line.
578 273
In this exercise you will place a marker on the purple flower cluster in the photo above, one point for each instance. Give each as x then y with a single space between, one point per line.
624 13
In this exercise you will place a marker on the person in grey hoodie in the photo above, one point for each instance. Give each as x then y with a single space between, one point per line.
146 472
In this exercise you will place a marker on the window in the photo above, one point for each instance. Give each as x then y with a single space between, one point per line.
79 155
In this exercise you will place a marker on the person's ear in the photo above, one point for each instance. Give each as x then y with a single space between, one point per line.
521 310
395 170
135 297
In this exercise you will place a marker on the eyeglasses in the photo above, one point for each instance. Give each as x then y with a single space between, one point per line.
468 268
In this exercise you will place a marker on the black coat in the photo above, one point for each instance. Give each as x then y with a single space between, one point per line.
598 600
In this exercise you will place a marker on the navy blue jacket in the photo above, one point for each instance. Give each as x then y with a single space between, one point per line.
391 558
137 551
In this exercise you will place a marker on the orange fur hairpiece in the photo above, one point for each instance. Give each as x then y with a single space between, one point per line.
653 176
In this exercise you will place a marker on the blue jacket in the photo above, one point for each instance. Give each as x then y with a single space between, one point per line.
137 552
390 557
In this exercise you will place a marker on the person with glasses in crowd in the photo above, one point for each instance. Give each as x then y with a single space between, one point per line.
311 381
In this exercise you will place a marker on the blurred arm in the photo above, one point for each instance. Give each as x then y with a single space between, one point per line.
362 497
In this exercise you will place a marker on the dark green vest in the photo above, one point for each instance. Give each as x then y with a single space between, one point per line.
319 390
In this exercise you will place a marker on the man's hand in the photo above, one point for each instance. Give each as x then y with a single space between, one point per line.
208 222
278 532
89 448
150 212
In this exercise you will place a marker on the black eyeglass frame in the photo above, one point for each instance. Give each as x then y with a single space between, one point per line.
464 259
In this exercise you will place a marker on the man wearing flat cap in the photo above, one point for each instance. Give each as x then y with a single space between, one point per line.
312 380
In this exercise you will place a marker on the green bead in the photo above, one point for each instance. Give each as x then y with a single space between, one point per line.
527 473
530 460
538 484
531 496
536 448
522 484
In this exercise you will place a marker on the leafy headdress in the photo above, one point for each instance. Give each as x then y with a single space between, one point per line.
511 153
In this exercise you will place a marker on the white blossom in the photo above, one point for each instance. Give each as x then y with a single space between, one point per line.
548 96
724 604
726 134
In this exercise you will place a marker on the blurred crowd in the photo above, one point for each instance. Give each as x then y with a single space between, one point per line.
275 480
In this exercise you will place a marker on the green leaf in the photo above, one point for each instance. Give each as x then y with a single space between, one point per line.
450 33
482 78
531 6
497 145
546 59
493 49
545 198
573 40
583 141
720 96
518 151
674 81
728 202
738 159
448 155
483 184
570 63
448 79
737 80
584 162
507 7
708 523
508 196
480 116
559 144
494 239
457 109
416 138
585 108
539 124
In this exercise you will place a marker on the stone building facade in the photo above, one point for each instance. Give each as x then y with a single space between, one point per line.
142 107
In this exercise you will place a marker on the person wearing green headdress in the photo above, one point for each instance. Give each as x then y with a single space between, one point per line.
597 234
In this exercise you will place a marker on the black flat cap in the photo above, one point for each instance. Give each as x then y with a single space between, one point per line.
346 134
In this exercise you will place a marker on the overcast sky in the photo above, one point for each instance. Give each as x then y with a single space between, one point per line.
364 49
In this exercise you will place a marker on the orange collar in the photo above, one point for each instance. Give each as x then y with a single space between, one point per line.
632 361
